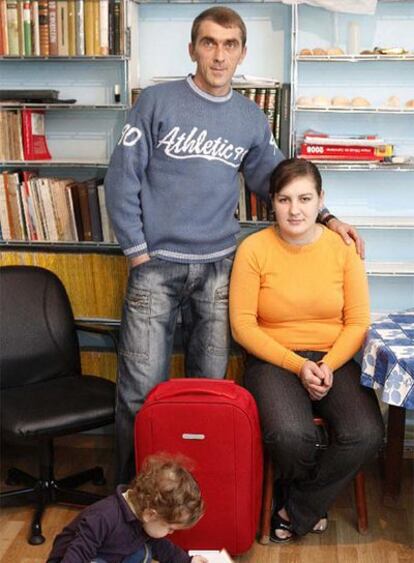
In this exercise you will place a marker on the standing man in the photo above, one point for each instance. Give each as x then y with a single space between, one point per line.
172 191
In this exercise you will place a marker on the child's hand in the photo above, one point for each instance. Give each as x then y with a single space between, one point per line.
199 559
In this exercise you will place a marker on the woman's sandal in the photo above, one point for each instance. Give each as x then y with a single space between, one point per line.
281 525
321 526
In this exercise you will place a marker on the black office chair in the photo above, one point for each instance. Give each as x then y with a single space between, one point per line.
43 393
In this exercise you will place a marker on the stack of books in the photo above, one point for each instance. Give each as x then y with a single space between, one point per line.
363 148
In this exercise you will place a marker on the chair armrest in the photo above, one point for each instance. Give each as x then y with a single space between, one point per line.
99 329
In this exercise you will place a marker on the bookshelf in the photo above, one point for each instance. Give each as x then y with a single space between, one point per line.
80 138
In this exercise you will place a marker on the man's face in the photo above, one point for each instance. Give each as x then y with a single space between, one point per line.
217 51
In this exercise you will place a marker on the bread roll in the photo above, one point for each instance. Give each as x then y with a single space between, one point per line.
321 101
340 101
318 51
305 101
409 104
360 102
393 102
305 52
335 51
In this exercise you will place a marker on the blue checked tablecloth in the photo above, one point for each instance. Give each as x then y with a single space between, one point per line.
388 359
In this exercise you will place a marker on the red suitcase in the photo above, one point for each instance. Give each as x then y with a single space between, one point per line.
216 424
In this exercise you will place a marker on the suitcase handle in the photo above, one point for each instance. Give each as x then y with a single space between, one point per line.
182 387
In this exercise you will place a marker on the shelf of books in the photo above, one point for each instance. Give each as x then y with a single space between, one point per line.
50 29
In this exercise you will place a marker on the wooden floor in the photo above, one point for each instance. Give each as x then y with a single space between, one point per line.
390 539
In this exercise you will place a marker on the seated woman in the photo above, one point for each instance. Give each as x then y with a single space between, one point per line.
299 306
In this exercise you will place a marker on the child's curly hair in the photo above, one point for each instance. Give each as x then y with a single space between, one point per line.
165 485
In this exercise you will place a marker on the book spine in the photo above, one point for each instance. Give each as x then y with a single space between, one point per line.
71 28
251 93
106 228
96 224
117 27
58 213
69 202
80 28
260 98
20 26
278 109
89 27
21 210
253 206
13 27
27 29
96 30
85 213
4 212
111 46
53 40
34 188
284 137
4 43
35 28
47 209
62 28
44 28
28 204
19 136
269 107
103 32
74 191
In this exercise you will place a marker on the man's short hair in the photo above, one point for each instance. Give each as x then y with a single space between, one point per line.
226 17
165 485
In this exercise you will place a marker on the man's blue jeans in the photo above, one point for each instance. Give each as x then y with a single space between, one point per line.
157 291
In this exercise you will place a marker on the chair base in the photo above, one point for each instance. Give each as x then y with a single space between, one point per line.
47 490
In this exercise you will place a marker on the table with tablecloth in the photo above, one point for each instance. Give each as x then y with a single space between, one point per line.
388 367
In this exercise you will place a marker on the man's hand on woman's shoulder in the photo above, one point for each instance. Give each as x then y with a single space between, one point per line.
348 233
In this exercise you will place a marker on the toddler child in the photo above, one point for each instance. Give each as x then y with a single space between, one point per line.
131 525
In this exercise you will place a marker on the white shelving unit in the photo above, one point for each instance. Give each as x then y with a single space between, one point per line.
369 195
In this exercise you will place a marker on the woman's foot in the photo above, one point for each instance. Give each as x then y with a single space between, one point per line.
281 531
321 526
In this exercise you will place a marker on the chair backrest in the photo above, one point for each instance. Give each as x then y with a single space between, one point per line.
37 334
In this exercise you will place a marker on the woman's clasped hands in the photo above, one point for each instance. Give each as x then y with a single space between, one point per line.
317 379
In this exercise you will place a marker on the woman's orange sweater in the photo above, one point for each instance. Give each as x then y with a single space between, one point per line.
285 297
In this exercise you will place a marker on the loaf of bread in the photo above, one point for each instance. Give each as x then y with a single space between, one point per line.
319 51
340 101
304 101
393 102
321 101
360 102
409 104
305 52
335 51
